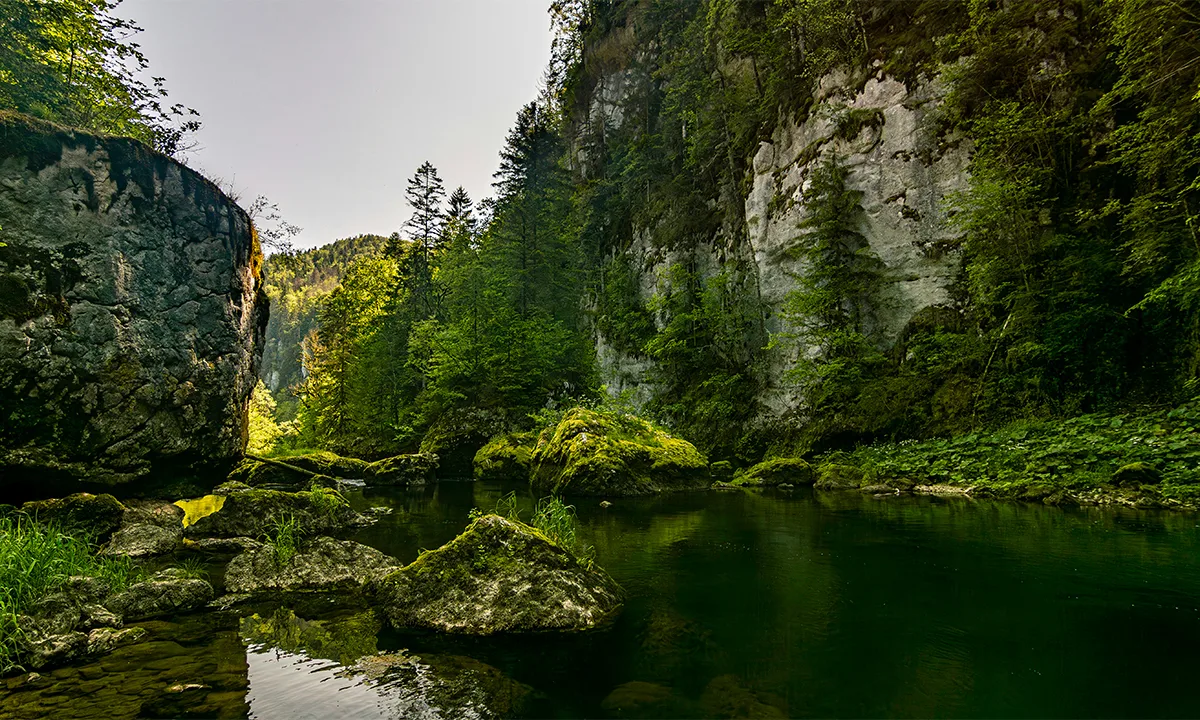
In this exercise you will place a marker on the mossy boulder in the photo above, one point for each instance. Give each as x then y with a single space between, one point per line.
507 457
777 471
498 576
414 469
253 513
142 540
159 596
835 476
321 565
1138 473
279 470
457 435
594 453
96 516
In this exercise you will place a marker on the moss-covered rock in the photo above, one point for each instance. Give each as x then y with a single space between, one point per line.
297 469
97 516
498 576
777 471
256 512
457 435
321 565
142 540
160 596
594 453
507 457
414 469
834 476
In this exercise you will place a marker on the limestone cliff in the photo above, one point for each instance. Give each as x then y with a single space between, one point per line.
887 134
131 315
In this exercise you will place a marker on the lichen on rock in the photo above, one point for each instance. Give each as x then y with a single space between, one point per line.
498 576
321 565
594 453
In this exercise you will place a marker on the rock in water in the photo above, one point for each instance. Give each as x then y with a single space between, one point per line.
778 471
498 577
131 315
593 453
414 469
457 435
323 564
507 457
252 513
160 596
143 540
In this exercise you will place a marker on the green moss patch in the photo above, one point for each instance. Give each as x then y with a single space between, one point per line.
506 457
777 471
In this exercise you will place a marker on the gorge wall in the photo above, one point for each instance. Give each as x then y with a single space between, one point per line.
131 315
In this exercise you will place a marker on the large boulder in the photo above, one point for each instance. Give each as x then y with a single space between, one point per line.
321 565
95 516
506 457
498 576
131 316
143 540
836 476
414 469
254 513
594 453
457 435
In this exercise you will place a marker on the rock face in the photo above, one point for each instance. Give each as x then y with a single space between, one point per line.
322 565
130 315
592 453
891 139
498 577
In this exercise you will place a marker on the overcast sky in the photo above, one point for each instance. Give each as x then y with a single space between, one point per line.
328 107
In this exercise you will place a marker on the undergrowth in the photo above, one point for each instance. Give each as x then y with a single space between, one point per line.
35 560
553 518
284 537
1080 452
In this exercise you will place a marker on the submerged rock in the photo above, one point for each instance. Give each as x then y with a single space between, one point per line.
143 540
457 435
433 685
777 471
131 315
498 577
727 697
508 457
97 516
160 596
254 513
322 564
414 469
592 453
639 699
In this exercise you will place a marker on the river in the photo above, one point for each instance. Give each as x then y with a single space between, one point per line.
772 604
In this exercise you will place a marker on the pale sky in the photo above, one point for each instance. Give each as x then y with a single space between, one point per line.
328 107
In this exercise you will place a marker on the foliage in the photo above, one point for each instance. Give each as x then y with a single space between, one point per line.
1080 452
35 560
284 536
558 522
73 62
262 429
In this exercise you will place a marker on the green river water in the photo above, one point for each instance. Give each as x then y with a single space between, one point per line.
742 604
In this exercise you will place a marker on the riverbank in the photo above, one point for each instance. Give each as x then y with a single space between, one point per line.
1148 459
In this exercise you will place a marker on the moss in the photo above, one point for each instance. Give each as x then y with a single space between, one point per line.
457 435
506 457
836 476
413 469
95 516
253 513
595 453
1137 473
777 471
498 576
854 120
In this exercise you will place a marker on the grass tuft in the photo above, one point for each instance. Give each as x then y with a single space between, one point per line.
285 537
35 560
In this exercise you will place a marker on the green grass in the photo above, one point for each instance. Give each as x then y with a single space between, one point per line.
326 500
555 519
35 560
285 537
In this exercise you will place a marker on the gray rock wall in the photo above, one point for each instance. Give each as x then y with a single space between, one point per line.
131 315
905 168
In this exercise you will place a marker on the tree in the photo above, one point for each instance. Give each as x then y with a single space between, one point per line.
72 61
